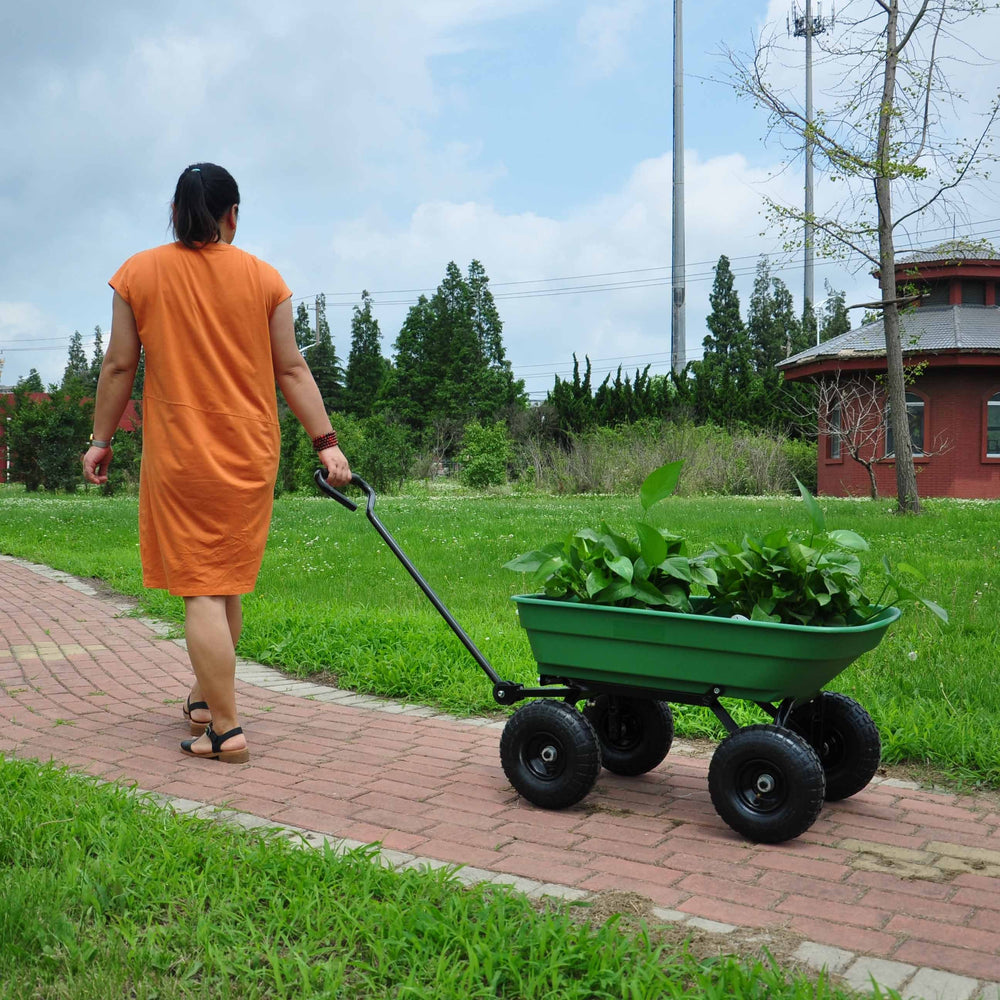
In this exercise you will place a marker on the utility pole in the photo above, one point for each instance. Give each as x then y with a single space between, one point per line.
678 344
805 27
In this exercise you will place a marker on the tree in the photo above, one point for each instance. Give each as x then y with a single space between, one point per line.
835 319
775 333
366 368
32 382
76 375
323 360
851 412
303 331
449 362
94 372
884 135
727 387
573 402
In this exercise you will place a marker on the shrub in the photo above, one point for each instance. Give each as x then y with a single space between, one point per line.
486 452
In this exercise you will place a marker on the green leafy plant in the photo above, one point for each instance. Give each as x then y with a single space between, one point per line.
804 579
799 578
600 566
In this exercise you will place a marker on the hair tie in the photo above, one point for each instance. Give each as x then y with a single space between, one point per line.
196 170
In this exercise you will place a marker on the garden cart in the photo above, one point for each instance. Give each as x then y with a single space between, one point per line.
626 666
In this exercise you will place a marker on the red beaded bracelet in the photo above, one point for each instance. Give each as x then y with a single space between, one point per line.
325 441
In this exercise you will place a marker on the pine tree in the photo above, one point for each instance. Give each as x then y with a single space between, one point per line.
76 375
323 360
366 368
303 331
449 362
835 319
728 389
32 382
94 373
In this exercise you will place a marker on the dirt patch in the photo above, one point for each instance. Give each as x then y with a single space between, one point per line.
634 911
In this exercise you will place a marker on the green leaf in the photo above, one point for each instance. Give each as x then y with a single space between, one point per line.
652 544
648 594
935 608
677 567
760 615
659 483
848 540
815 514
597 580
621 566
528 562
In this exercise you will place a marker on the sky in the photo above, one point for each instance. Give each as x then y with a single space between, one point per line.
374 141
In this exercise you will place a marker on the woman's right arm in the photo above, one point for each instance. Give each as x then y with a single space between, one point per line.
299 389
114 387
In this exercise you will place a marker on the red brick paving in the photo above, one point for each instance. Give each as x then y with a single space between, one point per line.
81 685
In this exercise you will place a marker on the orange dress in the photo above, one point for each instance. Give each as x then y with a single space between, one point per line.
209 414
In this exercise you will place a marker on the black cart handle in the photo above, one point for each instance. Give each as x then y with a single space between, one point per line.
320 476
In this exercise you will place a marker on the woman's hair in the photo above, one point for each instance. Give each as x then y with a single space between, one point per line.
204 193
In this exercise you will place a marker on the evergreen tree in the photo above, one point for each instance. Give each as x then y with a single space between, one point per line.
32 382
728 389
835 319
366 368
94 373
323 360
449 362
303 331
573 402
76 375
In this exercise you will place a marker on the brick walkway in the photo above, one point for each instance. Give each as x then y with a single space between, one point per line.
897 882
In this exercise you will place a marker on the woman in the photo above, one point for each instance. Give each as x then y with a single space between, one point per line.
217 330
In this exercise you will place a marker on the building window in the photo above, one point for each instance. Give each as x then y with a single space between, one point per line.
993 427
834 429
915 418
973 293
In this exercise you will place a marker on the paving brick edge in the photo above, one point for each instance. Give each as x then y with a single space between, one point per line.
855 971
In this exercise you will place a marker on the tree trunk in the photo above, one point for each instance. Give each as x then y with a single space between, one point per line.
906 478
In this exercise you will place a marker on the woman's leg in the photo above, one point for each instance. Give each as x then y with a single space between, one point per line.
234 618
209 629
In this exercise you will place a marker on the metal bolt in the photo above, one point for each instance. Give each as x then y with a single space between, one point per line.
765 784
549 754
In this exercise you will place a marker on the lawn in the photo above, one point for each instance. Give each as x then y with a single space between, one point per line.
333 601
106 895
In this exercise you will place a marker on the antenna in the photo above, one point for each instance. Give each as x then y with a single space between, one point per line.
805 26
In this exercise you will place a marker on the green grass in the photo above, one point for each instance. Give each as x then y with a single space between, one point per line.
107 895
333 600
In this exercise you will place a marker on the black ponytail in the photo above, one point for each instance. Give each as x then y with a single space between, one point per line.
204 193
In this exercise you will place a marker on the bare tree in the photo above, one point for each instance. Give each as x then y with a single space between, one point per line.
851 412
884 133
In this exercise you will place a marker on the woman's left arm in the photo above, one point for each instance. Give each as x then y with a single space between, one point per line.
114 387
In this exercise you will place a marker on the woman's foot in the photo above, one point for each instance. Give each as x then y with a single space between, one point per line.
197 714
230 747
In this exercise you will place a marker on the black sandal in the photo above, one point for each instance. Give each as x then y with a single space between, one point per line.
197 728
226 756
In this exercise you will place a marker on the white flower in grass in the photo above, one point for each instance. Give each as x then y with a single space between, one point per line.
912 654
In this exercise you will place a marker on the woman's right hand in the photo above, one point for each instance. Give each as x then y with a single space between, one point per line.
95 464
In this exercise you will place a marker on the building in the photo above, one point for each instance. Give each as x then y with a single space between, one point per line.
951 348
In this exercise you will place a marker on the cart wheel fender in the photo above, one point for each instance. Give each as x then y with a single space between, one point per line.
635 733
767 783
550 754
845 739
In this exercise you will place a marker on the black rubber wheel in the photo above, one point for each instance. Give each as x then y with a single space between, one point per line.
550 754
635 733
766 783
845 739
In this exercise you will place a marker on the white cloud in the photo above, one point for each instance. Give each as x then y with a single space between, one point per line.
602 32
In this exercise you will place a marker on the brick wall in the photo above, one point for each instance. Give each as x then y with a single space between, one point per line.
954 434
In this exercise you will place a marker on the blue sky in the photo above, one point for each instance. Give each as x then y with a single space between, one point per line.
376 141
